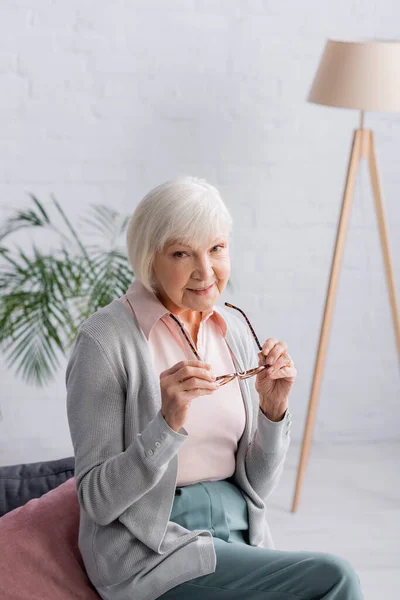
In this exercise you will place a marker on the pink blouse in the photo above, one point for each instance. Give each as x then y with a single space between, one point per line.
215 423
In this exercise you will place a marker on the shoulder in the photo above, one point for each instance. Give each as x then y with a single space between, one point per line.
112 333
109 322
114 330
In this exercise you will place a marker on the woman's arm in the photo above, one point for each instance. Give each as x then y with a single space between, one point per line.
108 478
266 454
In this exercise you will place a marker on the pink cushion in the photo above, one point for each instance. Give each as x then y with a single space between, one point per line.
39 554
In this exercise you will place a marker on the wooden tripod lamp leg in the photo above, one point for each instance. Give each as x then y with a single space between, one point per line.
373 168
327 318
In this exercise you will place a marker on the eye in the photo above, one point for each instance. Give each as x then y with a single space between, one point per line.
178 253
219 246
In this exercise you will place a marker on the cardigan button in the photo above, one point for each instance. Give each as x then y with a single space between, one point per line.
150 453
157 444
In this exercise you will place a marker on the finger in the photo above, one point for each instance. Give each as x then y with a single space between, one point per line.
262 359
195 383
188 372
283 361
284 372
268 345
288 372
184 363
192 394
275 352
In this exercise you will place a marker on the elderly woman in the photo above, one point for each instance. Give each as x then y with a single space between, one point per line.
180 430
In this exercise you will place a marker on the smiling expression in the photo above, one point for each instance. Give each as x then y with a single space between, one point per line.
179 269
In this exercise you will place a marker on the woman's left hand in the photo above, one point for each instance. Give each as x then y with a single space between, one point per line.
274 384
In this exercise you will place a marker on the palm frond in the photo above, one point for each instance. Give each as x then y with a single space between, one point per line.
112 276
44 298
35 313
106 223
34 217
101 220
71 228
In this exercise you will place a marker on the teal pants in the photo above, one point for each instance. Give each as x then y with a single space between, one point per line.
244 572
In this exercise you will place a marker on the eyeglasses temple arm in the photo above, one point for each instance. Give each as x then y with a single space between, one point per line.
184 333
248 323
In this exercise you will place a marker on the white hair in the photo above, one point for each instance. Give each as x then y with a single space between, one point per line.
186 209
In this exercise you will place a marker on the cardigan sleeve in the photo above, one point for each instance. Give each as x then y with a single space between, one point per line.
266 453
109 478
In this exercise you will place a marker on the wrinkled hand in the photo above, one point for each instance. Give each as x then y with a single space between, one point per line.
274 384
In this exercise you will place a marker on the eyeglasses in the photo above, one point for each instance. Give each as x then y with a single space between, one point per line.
223 379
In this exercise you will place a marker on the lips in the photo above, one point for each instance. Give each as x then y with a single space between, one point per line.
200 289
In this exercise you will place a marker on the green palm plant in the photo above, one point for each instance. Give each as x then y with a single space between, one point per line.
44 297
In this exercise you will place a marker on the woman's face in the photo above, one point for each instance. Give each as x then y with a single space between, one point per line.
179 269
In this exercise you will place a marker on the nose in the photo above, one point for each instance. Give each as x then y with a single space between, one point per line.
204 269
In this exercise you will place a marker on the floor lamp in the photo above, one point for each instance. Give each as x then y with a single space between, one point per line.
364 75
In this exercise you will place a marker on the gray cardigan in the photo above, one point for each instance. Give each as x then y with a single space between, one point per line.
126 460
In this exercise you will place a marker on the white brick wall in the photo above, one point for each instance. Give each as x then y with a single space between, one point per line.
100 102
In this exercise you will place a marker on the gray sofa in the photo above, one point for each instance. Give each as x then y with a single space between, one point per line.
21 483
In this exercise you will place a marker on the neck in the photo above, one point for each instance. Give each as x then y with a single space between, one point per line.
190 317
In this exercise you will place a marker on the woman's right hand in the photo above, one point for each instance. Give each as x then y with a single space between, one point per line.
181 383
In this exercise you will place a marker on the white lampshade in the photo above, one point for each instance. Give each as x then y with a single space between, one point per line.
359 74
